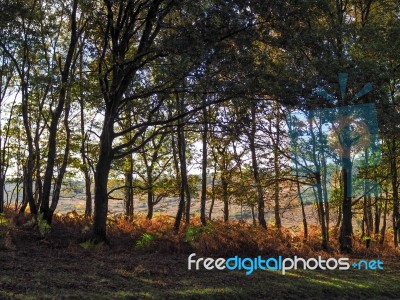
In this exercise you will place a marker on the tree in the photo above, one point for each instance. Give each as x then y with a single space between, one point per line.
155 159
128 46
65 71
5 80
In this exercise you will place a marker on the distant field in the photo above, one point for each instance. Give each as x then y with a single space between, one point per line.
291 212
289 203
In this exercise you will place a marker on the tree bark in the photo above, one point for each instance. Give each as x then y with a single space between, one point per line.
150 197
225 196
383 229
2 182
321 211
319 193
377 213
278 222
256 173
129 192
303 212
28 180
183 169
181 205
2 164
212 193
346 231
204 167
85 163
101 179
60 177
396 214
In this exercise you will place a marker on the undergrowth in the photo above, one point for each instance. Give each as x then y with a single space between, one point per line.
215 239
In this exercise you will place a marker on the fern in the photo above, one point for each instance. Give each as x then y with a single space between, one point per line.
44 227
193 233
3 219
145 241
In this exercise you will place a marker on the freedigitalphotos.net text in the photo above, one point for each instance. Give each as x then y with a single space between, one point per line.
279 263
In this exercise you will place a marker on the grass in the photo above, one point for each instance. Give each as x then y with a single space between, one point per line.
58 267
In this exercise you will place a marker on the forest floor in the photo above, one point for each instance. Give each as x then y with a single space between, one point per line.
60 266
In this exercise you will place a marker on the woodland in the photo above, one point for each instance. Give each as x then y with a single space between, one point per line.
210 104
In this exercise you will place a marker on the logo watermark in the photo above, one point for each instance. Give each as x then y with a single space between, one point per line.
343 135
251 264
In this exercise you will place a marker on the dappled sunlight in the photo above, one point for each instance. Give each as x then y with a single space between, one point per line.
207 292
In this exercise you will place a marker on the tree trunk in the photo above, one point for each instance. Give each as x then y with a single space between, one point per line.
2 164
129 191
60 177
181 206
28 174
256 174
319 194
101 179
150 202
19 179
16 203
278 222
346 231
38 179
225 197
185 192
396 215
85 163
339 219
321 212
204 168
2 182
366 224
253 215
303 212
383 230
325 195
55 117
377 215
88 193
185 181
212 193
